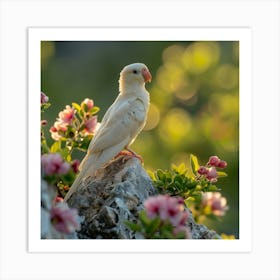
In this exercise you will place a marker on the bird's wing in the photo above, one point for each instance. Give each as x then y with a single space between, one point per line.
126 118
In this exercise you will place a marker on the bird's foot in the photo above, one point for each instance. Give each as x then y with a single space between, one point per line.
127 154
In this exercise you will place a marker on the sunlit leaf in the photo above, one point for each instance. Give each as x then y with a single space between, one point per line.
55 147
76 106
152 175
194 163
94 110
222 174
181 169
212 188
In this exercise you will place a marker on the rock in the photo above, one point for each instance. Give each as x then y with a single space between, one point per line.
200 231
115 194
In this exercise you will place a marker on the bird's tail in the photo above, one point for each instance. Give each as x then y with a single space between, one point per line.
88 168
75 185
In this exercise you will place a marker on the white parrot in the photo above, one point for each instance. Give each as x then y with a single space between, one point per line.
120 125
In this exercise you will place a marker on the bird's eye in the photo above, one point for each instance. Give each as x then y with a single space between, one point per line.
135 71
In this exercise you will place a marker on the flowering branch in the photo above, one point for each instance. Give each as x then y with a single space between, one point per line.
73 129
196 187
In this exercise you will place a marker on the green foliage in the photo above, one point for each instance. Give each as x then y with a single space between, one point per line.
190 185
45 106
178 181
154 228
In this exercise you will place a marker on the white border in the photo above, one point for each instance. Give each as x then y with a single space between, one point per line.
263 260
244 243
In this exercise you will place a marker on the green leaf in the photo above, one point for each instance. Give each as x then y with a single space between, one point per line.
133 226
55 147
161 176
153 226
76 106
152 175
44 147
212 188
180 235
194 163
178 179
65 154
94 110
221 174
144 218
182 168
189 201
45 106
68 178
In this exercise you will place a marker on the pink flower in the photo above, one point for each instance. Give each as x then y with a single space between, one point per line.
89 103
64 219
58 129
67 115
215 203
212 174
152 207
53 164
169 209
90 125
44 98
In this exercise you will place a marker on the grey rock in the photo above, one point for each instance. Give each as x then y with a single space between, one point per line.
110 197
115 194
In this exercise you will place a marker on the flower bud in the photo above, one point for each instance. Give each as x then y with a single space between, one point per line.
89 103
44 98
213 161
202 170
222 164
44 122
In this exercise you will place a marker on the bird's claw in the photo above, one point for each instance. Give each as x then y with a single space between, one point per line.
127 154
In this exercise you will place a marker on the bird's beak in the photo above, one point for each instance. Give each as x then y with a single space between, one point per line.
146 75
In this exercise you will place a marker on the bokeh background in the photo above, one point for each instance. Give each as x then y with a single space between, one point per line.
194 100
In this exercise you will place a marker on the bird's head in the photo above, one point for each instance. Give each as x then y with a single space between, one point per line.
134 74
